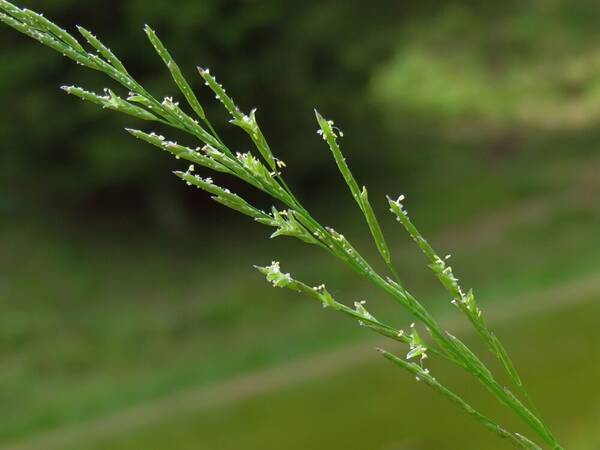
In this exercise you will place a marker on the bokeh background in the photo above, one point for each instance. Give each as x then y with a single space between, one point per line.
131 317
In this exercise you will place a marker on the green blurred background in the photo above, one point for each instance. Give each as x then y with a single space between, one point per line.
130 315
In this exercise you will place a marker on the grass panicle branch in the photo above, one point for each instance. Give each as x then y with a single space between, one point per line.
176 73
516 439
464 301
330 134
290 218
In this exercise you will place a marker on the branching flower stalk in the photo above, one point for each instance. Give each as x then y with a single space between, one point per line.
291 218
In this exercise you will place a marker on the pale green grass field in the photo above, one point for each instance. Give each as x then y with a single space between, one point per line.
371 405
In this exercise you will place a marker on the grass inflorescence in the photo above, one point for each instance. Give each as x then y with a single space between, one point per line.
289 217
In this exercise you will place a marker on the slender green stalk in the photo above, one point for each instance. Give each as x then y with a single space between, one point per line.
293 219
328 132
516 439
465 302
417 348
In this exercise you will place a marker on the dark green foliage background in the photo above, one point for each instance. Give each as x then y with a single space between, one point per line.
395 77
284 60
